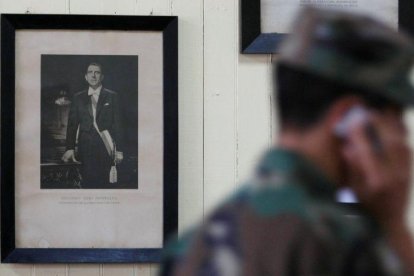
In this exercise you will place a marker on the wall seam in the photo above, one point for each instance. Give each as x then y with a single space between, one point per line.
236 95
203 107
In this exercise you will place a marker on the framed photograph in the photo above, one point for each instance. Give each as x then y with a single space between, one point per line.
89 142
264 23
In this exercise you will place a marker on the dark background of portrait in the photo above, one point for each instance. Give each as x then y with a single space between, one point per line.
61 77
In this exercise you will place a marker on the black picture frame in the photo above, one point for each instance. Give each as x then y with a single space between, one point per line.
253 41
10 23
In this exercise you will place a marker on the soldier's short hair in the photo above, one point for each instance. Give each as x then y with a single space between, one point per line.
303 98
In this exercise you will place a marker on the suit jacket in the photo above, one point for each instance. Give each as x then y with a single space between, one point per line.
107 116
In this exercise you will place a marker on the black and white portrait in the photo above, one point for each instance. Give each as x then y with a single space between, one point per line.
95 138
89 121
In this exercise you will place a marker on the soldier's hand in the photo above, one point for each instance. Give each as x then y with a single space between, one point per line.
69 155
380 177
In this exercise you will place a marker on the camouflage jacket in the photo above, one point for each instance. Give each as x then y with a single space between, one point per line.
286 221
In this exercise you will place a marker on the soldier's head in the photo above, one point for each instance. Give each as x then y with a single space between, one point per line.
333 57
94 75
332 64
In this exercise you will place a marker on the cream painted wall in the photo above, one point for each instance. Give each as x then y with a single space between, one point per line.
225 114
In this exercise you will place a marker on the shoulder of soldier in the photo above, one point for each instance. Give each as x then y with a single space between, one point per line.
287 197
276 195
283 202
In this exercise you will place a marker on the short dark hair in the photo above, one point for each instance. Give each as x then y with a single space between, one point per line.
95 64
303 98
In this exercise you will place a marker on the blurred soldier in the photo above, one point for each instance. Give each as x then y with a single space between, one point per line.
343 82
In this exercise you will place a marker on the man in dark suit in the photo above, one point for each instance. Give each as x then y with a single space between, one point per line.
94 121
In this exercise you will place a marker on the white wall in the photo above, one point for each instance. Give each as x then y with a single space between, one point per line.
225 118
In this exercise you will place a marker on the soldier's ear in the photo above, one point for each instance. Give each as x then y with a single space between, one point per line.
102 77
86 78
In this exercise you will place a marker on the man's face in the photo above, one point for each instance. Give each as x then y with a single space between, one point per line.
94 76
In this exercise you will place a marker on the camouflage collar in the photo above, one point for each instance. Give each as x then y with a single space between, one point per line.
295 167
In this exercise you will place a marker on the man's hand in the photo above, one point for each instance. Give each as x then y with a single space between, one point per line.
119 156
381 178
68 155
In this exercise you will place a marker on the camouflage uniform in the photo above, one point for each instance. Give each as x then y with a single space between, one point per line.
286 221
